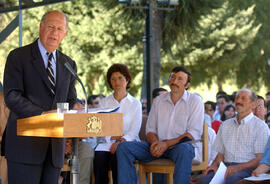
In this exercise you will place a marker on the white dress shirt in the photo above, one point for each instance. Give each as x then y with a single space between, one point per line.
240 143
132 118
169 121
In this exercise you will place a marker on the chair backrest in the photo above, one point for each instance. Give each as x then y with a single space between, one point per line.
204 164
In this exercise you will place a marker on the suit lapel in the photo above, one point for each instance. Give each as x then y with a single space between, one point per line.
39 64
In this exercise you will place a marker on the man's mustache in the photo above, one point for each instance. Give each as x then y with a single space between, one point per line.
239 104
175 85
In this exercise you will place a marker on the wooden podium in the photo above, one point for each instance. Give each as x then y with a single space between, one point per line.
72 125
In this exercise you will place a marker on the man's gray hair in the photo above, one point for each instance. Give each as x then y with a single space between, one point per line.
253 96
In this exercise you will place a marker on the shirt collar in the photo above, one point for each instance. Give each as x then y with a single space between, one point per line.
247 118
43 51
128 97
184 96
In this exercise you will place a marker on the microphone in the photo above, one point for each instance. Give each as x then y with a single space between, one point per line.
70 69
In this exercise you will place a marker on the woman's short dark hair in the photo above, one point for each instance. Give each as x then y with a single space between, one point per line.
121 68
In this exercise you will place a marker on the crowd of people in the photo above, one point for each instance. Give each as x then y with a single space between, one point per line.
36 78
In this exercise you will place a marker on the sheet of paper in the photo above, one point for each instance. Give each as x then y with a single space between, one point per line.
96 110
219 176
261 177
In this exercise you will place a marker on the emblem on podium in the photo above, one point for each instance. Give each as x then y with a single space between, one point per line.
94 125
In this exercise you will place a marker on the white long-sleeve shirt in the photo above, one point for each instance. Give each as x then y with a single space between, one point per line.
132 118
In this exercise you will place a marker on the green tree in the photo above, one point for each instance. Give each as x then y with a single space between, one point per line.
166 26
97 38
254 68
10 43
216 47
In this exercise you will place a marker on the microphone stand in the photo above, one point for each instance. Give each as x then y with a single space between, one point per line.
74 161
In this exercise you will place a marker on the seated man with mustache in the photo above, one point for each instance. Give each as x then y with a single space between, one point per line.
240 141
175 118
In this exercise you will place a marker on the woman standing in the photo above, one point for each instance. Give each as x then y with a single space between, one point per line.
118 78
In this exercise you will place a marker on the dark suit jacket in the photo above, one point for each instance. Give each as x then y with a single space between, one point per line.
27 93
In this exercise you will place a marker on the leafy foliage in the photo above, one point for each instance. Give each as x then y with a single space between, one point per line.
216 47
217 40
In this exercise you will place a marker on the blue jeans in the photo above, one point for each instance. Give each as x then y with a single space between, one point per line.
127 152
230 179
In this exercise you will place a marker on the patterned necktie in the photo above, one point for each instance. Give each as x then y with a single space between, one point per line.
50 73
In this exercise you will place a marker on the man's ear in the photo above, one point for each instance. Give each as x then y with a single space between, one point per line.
187 85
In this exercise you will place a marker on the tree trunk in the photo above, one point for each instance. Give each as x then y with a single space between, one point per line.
156 43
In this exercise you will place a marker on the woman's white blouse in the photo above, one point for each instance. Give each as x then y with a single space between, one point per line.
132 118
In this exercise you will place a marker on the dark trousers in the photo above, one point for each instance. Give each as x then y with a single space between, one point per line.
45 173
230 179
104 160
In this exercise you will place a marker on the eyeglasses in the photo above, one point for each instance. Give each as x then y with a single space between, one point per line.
259 107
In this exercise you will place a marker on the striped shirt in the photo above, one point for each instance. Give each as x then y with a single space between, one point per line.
240 143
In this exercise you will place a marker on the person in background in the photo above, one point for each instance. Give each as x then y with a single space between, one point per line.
93 101
240 141
219 93
119 80
101 96
175 118
158 91
267 99
261 108
35 79
229 112
209 109
232 98
222 102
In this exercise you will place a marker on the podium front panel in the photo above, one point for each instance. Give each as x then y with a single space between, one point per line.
72 125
